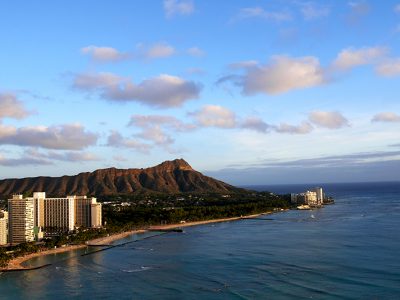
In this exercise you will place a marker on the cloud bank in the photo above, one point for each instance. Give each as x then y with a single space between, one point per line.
163 91
11 107
62 137
390 117
280 75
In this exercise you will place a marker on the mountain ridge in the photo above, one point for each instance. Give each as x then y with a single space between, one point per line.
175 176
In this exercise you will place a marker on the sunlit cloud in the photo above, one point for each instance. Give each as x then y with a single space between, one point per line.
178 7
214 116
104 54
389 68
390 117
351 57
115 139
311 10
12 107
259 12
256 124
196 52
281 74
160 50
328 119
162 91
303 128
67 136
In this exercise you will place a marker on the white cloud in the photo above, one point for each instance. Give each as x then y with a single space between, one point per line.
178 7
68 136
153 120
74 156
214 116
35 157
156 134
11 107
70 156
22 161
311 10
303 128
195 51
397 9
162 91
386 117
351 57
282 74
154 127
115 139
389 68
256 124
328 119
104 54
259 12
88 81
160 50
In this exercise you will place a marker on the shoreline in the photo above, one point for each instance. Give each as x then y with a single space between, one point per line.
16 263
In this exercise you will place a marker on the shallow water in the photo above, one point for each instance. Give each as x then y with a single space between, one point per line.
349 250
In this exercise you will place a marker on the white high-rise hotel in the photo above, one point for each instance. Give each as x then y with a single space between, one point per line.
27 216
20 219
3 227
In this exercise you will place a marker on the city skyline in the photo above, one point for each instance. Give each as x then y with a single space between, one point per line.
251 92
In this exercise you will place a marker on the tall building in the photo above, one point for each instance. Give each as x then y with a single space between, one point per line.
20 219
315 197
83 212
96 214
59 214
311 198
3 227
38 198
320 195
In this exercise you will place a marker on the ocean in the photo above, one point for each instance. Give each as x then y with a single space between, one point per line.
349 250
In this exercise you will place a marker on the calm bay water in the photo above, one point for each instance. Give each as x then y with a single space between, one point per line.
349 250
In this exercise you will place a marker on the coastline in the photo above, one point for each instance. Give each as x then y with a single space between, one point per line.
16 263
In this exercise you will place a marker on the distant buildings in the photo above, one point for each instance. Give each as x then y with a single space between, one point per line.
3 227
29 216
315 197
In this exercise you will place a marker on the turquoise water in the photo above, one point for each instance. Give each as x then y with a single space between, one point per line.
350 250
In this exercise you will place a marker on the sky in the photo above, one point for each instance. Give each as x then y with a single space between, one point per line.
250 92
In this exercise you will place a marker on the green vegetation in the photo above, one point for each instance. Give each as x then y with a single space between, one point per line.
170 209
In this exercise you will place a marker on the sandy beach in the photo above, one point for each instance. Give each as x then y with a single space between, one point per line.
16 263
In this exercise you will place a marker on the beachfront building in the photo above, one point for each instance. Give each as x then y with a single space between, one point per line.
96 216
59 214
310 198
3 227
83 212
38 199
314 197
68 213
30 216
320 195
20 219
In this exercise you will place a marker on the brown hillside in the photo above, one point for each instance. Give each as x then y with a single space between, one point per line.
175 176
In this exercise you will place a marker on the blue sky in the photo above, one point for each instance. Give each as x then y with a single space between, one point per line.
250 92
